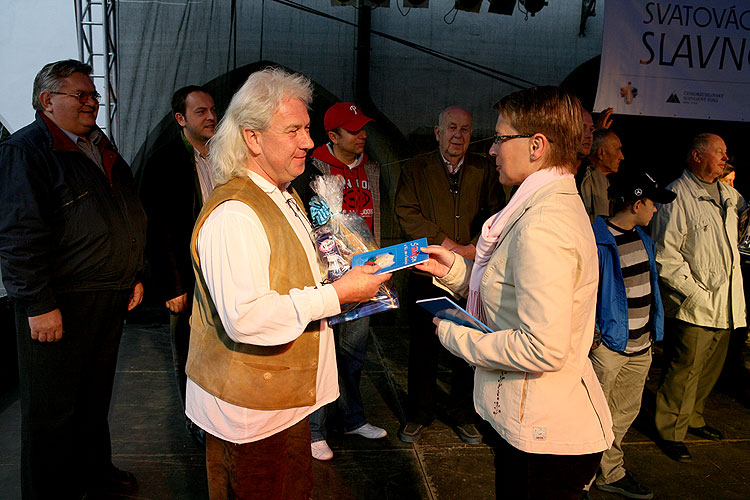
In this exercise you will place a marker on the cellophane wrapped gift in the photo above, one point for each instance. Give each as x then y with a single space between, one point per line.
338 236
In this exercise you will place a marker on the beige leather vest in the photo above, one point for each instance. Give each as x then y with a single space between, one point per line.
255 377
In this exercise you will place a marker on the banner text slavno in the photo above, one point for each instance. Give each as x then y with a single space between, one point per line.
680 59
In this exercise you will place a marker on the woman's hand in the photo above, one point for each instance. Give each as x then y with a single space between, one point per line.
440 261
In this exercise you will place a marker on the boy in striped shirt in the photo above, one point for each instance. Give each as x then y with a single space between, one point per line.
629 314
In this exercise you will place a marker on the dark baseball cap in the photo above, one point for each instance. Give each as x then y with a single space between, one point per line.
346 115
632 186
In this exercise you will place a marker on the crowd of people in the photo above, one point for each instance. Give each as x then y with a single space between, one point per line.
574 290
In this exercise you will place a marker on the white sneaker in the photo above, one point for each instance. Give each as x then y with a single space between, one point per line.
369 431
321 451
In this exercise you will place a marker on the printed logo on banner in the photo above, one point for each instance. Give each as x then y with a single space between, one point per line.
673 98
628 93
700 97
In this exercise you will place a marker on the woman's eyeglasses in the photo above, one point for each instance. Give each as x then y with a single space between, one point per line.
499 139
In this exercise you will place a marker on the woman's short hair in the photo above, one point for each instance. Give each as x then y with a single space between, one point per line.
252 107
551 111
50 78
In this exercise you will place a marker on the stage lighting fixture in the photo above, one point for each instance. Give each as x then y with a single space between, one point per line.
504 7
533 6
468 5
416 4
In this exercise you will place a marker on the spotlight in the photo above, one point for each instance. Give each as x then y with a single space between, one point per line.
504 7
533 6
468 5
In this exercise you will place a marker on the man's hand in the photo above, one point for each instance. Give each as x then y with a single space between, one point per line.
469 251
440 261
136 296
359 284
178 304
46 327
604 120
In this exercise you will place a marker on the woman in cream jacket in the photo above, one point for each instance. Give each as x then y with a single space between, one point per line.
534 282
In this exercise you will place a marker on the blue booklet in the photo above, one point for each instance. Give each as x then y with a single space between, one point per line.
394 257
445 308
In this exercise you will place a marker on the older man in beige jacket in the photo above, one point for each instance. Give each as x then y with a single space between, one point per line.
699 266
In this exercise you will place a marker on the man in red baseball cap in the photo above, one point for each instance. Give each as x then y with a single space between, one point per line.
344 155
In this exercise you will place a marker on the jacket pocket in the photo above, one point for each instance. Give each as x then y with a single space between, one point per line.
524 393
79 220
698 304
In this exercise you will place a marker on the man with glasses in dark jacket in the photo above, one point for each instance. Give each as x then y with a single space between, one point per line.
72 233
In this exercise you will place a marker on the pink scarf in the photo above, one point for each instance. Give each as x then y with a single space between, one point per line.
493 228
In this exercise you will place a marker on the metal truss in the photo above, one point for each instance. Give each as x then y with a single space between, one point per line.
97 22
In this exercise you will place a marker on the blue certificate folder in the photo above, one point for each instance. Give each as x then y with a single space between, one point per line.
394 257
445 308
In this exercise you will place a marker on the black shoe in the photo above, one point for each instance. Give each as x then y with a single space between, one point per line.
676 450
410 432
113 480
468 433
628 487
585 495
706 432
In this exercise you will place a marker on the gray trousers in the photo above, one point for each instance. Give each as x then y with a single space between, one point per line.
698 355
622 379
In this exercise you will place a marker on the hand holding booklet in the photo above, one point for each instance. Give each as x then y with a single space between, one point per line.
445 308
394 257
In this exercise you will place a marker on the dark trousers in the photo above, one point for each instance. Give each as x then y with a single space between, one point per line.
424 350
696 355
179 334
351 348
276 468
531 476
65 391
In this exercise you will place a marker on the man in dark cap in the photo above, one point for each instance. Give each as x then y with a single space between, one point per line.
629 314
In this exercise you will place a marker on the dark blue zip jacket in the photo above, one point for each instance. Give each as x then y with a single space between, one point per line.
612 302
65 225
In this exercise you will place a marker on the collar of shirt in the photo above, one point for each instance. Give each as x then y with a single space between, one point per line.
266 185
277 195
449 165
352 165
94 137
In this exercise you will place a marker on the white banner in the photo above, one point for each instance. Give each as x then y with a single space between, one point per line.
687 59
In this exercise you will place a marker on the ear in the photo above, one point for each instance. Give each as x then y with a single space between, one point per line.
637 205
437 133
696 154
180 118
599 153
252 141
46 99
333 137
537 147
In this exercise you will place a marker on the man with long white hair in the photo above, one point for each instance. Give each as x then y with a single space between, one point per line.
261 356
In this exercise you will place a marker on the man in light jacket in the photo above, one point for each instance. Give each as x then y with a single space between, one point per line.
699 266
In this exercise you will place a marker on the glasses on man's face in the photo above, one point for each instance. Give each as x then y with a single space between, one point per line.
499 139
83 96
